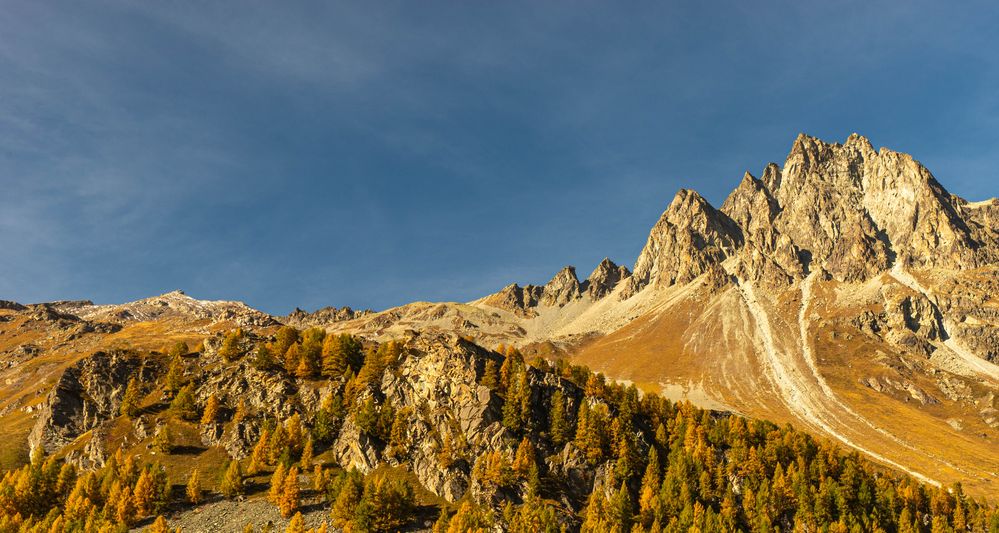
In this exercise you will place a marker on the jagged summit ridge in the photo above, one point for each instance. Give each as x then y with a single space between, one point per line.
845 208
564 288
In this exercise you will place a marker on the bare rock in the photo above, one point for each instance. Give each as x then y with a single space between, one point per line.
355 449
323 317
87 394
562 289
690 236
605 278
516 299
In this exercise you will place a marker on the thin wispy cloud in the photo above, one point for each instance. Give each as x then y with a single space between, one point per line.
347 153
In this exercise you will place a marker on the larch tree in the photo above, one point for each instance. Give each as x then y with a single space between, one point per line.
175 375
296 525
179 349
311 351
490 376
304 369
144 493
277 484
560 428
277 444
130 400
193 489
232 482
260 456
286 336
263 359
159 526
340 354
211 411
307 452
290 496
292 358
183 405
124 510
241 411
230 349
162 440
318 478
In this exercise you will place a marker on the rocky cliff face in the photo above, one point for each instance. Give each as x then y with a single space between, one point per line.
605 278
451 419
689 237
87 394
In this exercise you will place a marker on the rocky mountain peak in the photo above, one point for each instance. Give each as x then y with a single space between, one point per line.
516 299
605 278
859 142
847 208
689 236
771 176
563 288
172 304
859 210
752 206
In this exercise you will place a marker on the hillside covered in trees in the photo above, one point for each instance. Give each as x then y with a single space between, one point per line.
431 431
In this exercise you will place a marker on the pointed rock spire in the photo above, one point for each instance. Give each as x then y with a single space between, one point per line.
605 278
562 289
516 299
690 235
752 207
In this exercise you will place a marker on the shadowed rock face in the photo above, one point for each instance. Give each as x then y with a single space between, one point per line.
86 395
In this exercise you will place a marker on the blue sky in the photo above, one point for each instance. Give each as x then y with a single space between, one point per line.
374 153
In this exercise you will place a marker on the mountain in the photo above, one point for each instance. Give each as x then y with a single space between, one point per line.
845 292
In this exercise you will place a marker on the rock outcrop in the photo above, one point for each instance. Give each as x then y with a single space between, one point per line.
518 300
689 237
562 289
323 317
88 394
11 305
605 278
